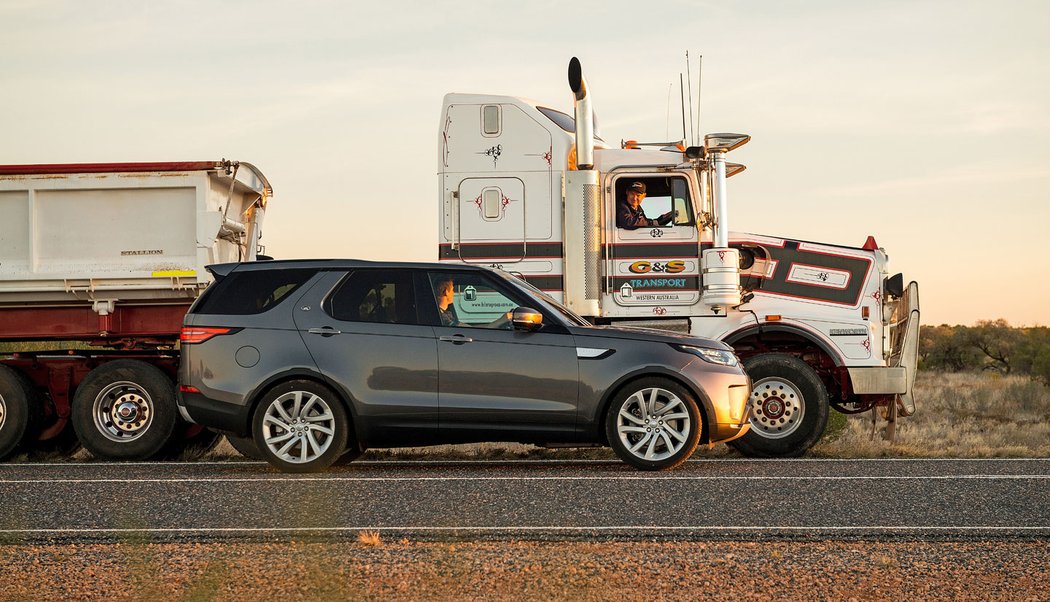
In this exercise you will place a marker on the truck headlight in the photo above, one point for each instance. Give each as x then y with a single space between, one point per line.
712 356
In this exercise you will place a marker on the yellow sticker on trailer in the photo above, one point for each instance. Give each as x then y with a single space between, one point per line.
173 273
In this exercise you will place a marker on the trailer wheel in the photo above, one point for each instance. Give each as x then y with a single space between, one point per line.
245 446
18 412
789 407
125 410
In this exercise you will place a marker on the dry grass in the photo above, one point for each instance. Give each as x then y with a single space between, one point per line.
958 415
369 538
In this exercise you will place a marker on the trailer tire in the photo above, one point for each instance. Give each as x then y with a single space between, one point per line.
19 407
245 446
789 407
125 410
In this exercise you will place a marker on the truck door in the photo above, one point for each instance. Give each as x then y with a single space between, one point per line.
653 268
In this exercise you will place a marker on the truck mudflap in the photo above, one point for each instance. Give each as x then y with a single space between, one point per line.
904 344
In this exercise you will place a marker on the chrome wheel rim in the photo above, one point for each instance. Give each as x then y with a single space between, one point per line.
777 408
298 427
3 411
653 424
123 411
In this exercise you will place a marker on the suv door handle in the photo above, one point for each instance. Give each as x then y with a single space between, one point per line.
458 339
327 331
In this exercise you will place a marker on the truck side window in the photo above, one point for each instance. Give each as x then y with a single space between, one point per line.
664 202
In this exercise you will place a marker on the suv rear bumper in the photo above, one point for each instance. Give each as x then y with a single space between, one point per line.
214 414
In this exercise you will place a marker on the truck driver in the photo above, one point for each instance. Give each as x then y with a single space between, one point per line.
630 214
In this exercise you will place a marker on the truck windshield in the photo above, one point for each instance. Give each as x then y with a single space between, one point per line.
566 122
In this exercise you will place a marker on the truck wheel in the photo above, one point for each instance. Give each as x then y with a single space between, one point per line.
18 411
125 410
789 407
653 424
301 426
245 446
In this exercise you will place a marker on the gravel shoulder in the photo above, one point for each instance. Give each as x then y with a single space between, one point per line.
680 570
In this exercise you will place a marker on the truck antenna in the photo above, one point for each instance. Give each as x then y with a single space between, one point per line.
689 80
667 127
699 80
681 86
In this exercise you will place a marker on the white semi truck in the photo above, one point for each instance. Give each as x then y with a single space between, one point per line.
535 191
101 262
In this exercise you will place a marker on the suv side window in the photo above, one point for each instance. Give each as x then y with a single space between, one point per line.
470 300
251 291
379 296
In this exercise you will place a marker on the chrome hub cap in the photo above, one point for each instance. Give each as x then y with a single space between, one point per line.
123 411
653 424
777 408
298 427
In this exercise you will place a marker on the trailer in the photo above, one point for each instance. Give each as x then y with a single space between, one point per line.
536 191
98 265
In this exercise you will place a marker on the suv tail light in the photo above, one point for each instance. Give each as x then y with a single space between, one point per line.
199 334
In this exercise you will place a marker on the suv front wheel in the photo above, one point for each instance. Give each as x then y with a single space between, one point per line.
653 424
300 426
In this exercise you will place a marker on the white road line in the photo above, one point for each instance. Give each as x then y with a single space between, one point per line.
621 528
659 478
89 464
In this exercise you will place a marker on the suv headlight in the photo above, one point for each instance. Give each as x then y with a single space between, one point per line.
713 356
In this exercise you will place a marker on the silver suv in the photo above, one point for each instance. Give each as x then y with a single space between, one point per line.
309 363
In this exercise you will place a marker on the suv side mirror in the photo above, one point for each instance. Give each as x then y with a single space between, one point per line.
527 319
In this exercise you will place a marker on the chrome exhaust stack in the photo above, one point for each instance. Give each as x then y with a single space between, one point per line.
584 115
583 208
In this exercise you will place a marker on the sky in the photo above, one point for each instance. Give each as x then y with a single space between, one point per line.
924 124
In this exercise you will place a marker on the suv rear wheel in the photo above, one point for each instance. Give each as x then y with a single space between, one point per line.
301 426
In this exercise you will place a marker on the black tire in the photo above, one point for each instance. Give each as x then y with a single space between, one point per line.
789 407
128 384
670 400
190 442
313 450
245 446
19 409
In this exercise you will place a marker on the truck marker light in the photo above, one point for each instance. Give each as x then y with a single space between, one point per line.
188 389
199 334
865 312
870 244
773 318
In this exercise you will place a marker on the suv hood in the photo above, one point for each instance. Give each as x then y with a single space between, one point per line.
647 334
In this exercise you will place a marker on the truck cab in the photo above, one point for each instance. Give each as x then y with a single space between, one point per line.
539 193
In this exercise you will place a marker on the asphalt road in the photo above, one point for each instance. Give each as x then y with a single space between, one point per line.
723 499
